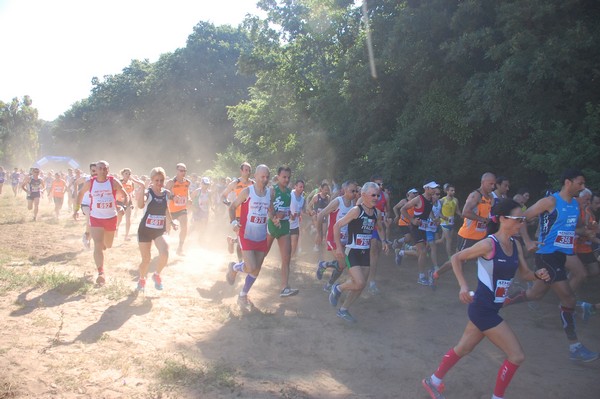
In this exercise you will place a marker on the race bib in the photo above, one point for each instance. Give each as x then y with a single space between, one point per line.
58 189
258 219
564 239
501 290
155 221
450 220
363 240
104 205
481 226
180 200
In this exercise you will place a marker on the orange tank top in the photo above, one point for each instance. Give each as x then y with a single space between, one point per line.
472 229
237 190
180 191
583 245
58 188
404 222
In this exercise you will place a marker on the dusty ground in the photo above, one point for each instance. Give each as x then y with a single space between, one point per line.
62 337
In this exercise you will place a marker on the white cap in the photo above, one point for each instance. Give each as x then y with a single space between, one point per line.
205 180
431 184
412 190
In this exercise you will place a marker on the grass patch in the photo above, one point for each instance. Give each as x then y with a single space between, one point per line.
8 390
192 374
115 289
64 283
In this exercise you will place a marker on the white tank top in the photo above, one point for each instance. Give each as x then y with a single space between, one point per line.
103 204
86 197
254 215
296 206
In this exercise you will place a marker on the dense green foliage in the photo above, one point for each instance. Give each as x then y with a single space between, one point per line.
462 87
19 127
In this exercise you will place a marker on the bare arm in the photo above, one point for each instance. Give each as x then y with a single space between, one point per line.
482 248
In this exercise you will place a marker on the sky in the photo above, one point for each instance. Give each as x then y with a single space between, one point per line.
51 49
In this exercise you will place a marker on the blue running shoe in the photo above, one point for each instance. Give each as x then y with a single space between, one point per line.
581 353
320 270
587 310
334 295
432 280
157 281
345 315
399 256
141 285
327 287
423 280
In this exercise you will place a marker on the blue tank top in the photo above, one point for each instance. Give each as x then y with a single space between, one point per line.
557 228
494 275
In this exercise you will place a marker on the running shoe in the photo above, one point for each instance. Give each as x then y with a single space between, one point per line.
581 353
399 256
433 391
230 242
432 280
587 310
245 303
321 266
230 275
180 252
100 280
327 287
85 241
316 248
423 280
334 295
287 291
345 315
141 284
373 290
157 281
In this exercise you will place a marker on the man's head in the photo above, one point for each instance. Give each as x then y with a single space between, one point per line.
573 181
245 168
102 169
502 185
261 175
488 183
350 188
283 176
181 170
299 187
429 188
584 198
370 194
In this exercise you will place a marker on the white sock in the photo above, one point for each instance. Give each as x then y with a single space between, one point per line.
573 347
436 381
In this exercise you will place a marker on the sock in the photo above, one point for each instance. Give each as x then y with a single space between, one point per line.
505 374
435 381
250 279
335 275
343 309
448 361
239 267
566 315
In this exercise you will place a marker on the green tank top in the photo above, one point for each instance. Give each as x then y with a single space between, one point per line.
282 202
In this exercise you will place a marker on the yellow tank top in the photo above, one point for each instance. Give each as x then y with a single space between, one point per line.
472 229
449 210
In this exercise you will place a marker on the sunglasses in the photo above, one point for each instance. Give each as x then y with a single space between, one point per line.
182 170
353 191
374 195
521 219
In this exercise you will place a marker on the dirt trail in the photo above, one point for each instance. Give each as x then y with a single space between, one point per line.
62 337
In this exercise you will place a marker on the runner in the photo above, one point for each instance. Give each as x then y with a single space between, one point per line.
559 222
2 178
278 227
499 257
361 221
15 177
234 188
34 186
297 208
85 202
57 192
383 206
179 187
501 191
422 205
450 209
316 204
256 209
201 204
124 208
335 211
476 215
403 225
103 190
155 221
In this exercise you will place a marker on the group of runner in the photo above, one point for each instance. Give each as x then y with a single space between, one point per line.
353 222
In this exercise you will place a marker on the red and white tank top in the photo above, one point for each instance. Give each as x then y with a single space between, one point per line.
103 204
253 215
336 215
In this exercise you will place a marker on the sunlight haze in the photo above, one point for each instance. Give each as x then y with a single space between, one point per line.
52 49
